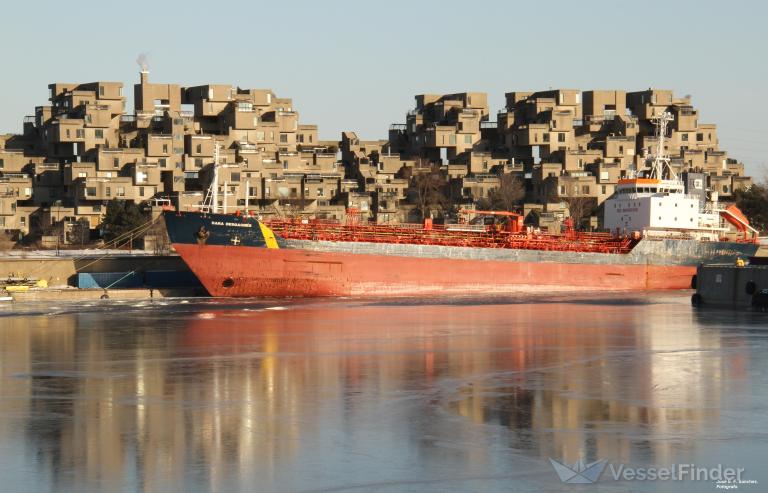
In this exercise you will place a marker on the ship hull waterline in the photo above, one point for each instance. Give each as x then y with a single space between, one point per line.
243 271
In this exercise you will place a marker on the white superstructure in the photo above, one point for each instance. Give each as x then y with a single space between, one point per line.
658 205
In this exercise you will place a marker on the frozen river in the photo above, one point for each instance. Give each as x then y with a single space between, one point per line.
386 396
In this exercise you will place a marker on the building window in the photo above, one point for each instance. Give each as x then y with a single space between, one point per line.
684 137
165 148
585 189
235 176
80 133
90 191
300 138
546 138
121 191
452 139
199 148
141 191
2 163
109 192
561 137
467 139
259 135
99 133
283 138
605 189
700 137
101 90
562 190
198 163
116 162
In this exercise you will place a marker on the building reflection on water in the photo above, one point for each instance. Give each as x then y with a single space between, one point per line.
214 398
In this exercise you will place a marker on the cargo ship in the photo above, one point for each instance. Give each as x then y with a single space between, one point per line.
658 235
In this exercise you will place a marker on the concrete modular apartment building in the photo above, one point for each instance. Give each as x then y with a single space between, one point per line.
84 149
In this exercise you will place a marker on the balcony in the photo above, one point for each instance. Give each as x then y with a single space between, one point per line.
620 138
8 177
40 167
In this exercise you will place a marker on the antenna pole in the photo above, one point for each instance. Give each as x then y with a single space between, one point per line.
247 194
215 182
225 197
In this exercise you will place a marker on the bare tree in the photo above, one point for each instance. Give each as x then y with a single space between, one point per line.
580 208
507 196
429 191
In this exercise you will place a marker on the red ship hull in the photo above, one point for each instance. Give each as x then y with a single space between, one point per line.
237 271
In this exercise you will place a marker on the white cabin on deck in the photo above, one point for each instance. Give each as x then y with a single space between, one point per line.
661 207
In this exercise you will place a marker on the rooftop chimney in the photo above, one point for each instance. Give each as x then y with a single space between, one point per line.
144 74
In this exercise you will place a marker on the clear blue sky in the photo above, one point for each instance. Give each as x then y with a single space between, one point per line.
356 65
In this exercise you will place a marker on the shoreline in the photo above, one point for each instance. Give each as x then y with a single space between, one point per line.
77 294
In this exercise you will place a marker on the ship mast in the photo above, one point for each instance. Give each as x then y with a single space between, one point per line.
660 157
215 181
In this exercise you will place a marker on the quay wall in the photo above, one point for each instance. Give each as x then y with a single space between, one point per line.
62 272
73 294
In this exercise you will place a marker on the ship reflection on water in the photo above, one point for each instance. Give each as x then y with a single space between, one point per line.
456 395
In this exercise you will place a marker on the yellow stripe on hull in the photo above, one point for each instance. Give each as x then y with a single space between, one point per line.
269 236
